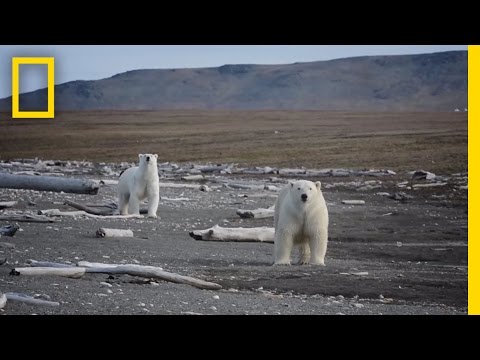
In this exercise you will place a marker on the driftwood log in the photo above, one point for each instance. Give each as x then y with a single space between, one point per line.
353 202
193 178
130 269
104 232
243 186
73 272
29 299
56 212
7 204
157 273
217 233
257 214
3 300
88 209
49 183
101 210
26 218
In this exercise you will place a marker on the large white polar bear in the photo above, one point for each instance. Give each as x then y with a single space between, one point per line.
301 218
137 183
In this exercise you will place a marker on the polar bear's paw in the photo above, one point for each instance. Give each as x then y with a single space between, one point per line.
282 263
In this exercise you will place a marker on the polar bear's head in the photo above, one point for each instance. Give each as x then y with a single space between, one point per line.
304 191
148 160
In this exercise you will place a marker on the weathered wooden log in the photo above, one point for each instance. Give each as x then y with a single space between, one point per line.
3 300
257 214
157 273
129 269
49 183
56 212
104 232
174 199
89 209
217 233
29 299
208 169
26 218
87 264
73 272
7 204
244 186
35 263
416 186
108 182
175 185
353 202
193 178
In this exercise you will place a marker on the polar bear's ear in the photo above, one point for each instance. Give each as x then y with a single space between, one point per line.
318 184
291 184
140 156
156 156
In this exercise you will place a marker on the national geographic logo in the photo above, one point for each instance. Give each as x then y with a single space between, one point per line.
16 112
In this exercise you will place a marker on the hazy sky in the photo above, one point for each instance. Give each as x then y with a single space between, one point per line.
91 62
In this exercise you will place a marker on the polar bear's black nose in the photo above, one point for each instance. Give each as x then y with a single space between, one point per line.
148 158
304 197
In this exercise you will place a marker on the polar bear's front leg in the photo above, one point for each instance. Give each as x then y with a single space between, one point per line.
153 200
318 247
283 243
134 205
304 248
123 204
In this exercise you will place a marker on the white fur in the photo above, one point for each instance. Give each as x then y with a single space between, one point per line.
138 183
304 224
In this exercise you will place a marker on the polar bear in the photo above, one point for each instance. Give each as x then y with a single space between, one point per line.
301 218
137 183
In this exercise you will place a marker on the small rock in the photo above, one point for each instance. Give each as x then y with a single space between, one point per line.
213 308
216 297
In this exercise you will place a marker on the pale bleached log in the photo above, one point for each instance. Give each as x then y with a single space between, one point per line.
26 218
257 214
87 264
108 182
292 172
244 186
73 272
7 204
174 199
49 183
416 186
56 212
104 232
35 263
29 299
353 202
129 269
271 188
207 168
3 300
157 273
174 185
193 178
88 209
217 233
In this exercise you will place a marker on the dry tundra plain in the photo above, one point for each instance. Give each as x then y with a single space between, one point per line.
403 252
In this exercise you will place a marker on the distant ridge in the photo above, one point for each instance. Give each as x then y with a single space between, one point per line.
426 82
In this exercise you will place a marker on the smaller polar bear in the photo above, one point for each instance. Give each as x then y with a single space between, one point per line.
301 218
137 183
